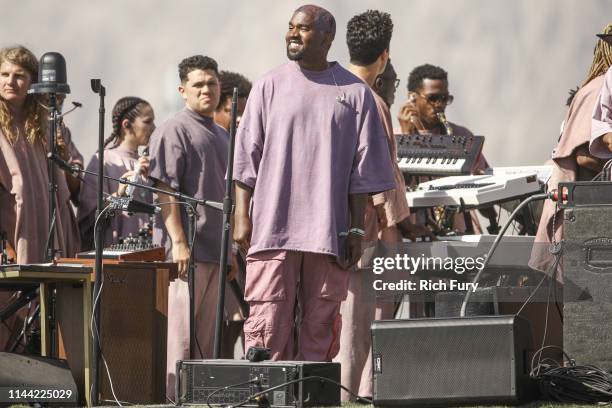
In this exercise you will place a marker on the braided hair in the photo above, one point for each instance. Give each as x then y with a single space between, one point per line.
128 107
602 58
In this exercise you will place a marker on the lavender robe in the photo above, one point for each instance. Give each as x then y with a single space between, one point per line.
601 122
576 132
306 141
24 211
189 153
117 161
357 313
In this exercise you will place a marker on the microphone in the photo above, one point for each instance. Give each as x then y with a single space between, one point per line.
132 206
129 191
52 76
75 170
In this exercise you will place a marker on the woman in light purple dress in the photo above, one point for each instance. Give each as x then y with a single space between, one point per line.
133 124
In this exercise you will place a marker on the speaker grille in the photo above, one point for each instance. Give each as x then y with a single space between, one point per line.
437 360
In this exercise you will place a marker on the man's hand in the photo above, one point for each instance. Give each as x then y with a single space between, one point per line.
180 255
143 161
409 119
62 149
242 231
381 216
413 231
607 139
354 249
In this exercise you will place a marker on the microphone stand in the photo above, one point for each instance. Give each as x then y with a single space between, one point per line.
99 243
227 213
98 88
50 249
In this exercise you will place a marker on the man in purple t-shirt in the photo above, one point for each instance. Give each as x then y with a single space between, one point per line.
309 150
189 154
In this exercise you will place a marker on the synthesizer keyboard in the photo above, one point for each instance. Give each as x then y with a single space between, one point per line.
437 155
473 191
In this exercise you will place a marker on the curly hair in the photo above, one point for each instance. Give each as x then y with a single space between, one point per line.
34 112
426 71
196 62
128 107
368 35
229 81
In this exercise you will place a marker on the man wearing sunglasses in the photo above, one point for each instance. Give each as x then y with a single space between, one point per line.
428 96
386 84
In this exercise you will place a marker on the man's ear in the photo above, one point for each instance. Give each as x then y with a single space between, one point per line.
383 60
181 90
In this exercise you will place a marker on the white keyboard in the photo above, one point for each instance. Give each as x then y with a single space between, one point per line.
473 191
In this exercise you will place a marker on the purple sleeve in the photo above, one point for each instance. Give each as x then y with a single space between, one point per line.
602 119
372 169
249 139
167 153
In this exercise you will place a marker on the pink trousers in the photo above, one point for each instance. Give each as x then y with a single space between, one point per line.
206 287
290 289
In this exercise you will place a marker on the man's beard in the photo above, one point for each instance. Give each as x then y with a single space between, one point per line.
296 56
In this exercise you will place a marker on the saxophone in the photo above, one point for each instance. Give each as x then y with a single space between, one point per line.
447 126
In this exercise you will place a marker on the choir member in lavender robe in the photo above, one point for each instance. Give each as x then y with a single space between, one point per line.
189 154
229 81
571 158
601 128
309 150
24 191
387 214
133 123
232 329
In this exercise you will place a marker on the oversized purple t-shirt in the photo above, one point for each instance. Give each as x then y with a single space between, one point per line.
189 153
306 141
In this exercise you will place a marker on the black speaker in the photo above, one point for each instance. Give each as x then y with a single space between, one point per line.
199 382
587 293
451 361
36 379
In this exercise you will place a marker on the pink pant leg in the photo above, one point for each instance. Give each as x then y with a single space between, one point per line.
206 281
323 286
271 281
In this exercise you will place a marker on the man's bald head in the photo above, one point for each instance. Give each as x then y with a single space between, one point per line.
324 20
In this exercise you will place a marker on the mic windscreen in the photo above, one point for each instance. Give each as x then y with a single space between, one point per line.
52 76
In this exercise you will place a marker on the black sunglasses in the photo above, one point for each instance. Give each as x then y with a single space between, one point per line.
380 80
445 99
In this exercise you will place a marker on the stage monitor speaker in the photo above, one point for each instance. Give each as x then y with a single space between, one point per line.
48 379
451 361
587 293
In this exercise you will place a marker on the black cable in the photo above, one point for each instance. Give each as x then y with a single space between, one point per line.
254 381
311 377
573 383
498 238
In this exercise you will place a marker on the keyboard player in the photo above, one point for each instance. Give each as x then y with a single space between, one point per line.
424 113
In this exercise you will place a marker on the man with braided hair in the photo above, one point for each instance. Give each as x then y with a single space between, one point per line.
571 158
229 81
189 155
133 124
